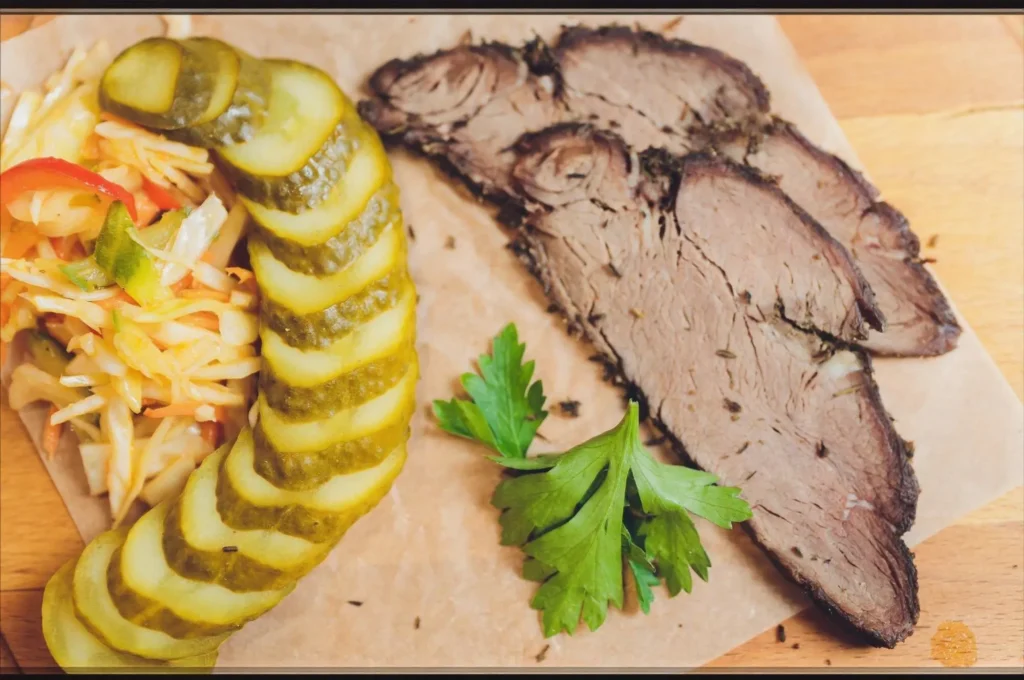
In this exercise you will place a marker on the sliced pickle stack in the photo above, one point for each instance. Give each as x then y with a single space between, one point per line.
338 376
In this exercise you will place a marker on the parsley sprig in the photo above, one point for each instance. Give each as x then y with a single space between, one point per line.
586 516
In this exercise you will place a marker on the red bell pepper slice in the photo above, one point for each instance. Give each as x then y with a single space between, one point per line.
55 173
160 196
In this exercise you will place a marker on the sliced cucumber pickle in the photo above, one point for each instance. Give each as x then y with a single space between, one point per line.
96 609
348 243
225 78
379 336
300 404
304 294
302 149
247 501
319 330
337 385
160 83
77 650
367 172
306 471
247 102
201 547
350 423
148 592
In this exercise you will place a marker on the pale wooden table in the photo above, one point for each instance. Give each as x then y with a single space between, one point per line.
934 106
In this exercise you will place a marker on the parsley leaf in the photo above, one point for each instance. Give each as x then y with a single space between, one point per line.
645 579
642 569
506 409
586 516
567 511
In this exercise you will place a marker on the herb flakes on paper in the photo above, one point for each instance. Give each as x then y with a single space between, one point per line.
587 516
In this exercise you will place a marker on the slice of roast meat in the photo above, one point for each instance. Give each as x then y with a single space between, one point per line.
715 276
467 107
919 320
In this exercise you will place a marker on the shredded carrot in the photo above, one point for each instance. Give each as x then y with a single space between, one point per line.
5 314
3 353
115 300
19 242
182 408
184 282
5 278
242 275
204 294
185 408
51 434
207 320
211 432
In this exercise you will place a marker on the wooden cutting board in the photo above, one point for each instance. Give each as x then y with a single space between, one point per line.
933 106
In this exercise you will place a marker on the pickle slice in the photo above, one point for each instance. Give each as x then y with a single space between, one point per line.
247 501
349 241
302 149
246 107
321 329
77 650
148 592
380 336
351 423
344 391
96 609
367 172
200 546
159 83
304 294
225 79
307 470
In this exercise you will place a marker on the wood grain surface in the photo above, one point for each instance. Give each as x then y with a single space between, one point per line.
934 106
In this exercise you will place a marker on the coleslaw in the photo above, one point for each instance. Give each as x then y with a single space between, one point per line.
116 254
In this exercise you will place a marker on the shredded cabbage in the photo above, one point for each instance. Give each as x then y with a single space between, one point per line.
194 236
46 274
117 427
226 371
230 234
190 357
90 404
129 388
168 483
43 128
101 352
211 277
89 313
30 383
84 379
238 327
60 212
138 351
197 346
172 333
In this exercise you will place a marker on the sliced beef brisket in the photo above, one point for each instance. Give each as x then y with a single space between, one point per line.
919 320
468 106
720 276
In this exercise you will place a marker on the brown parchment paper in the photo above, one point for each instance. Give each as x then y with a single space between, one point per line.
436 588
